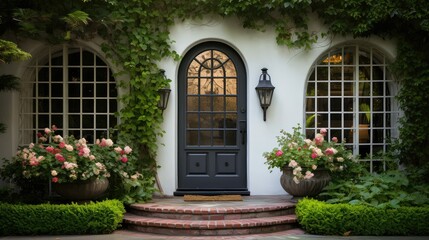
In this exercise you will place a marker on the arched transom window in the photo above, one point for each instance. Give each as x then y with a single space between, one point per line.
71 88
350 93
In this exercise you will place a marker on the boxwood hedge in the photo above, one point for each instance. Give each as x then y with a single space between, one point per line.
53 219
322 218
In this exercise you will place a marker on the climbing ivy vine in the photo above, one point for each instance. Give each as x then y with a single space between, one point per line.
136 34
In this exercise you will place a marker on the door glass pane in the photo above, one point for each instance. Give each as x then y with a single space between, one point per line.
218 104
192 120
205 103
219 120
192 86
230 138
191 137
192 103
218 86
205 137
206 120
230 69
231 86
205 86
231 103
231 121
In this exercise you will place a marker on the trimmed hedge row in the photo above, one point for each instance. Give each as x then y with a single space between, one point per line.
322 218
49 219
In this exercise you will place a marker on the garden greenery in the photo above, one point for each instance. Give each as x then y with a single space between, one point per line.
321 218
136 37
54 219
391 189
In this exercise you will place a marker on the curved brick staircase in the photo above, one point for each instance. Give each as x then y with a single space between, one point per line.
173 216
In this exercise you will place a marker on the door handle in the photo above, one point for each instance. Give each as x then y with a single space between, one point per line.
243 130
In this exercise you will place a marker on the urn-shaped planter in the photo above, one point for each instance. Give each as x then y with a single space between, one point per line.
80 191
306 187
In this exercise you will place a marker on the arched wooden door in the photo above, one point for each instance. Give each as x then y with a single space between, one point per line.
212 121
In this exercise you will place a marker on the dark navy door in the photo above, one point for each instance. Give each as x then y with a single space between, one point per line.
212 121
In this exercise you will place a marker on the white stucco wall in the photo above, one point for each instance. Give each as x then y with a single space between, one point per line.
288 69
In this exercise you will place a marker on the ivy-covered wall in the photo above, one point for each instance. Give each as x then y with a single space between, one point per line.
136 35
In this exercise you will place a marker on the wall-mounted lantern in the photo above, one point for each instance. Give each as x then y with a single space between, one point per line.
265 90
164 94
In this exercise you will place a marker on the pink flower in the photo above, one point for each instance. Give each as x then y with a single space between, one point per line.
50 149
124 159
54 179
61 145
59 157
34 162
319 139
314 155
47 130
54 127
330 151
335 139
323 131
308 175
279 153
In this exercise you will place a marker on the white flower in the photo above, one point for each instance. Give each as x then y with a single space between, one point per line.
54 173
69 147
295 179
109 142
297 171
340 159
293 163
118 149
128 150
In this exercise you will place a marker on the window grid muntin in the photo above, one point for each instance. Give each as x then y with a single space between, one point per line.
29 115
194 133
386 97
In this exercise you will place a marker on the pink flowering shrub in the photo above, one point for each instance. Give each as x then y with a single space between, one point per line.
62 160
305 155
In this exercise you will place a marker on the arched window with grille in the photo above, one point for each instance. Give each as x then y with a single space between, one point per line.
72 88
351 93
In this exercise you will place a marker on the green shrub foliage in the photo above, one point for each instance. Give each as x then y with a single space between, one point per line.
65 219
391 189
322 218
136 35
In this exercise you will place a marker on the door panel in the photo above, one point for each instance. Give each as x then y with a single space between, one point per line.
212 121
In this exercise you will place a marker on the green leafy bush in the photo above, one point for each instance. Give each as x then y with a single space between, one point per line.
390 189
49 219
322 218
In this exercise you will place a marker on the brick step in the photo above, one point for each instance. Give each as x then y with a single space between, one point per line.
209 227
212 212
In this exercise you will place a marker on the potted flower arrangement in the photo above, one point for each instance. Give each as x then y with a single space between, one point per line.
72 162
307 163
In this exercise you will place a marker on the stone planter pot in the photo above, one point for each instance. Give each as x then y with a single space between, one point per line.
306 187
79 191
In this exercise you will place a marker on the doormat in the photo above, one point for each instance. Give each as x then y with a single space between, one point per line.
212 198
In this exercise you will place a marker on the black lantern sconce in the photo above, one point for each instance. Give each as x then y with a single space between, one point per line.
265 90
164 94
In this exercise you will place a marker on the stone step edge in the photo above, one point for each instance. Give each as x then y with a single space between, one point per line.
208 224
210 210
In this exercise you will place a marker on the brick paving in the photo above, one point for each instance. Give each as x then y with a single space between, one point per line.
174 217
